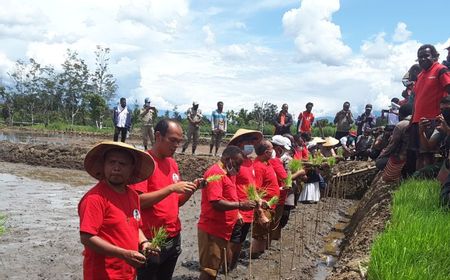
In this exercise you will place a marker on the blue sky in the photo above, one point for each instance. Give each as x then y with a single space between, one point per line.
240 52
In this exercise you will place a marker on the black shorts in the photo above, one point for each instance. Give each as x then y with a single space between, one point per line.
240 231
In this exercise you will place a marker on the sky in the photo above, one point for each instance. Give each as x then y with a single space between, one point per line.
240 52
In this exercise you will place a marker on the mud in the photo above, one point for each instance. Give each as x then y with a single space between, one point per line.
42 225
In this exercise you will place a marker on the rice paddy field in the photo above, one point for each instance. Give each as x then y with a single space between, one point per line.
416 242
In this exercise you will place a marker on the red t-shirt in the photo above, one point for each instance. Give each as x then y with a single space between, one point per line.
306 118
218 223
245 177
115 218
165 212
281 173
429 90
301 153
266 179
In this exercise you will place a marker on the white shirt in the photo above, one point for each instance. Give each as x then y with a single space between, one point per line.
121 116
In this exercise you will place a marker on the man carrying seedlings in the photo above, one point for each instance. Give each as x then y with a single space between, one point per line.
109 213
161 195
219 211
245 139
266 180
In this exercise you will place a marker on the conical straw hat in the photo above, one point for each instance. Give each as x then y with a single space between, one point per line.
243 133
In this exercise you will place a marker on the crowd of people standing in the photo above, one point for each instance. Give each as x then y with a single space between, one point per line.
252 183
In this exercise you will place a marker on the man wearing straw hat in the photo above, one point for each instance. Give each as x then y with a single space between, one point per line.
245 139
109 213
161 197
219 211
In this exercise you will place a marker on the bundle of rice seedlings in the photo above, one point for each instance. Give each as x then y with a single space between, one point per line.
159 238
254 194
331 161
214 178
340 152
295 165
288 180
273 201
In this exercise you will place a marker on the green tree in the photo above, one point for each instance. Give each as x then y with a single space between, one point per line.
74 84
104 84
97 109
263 113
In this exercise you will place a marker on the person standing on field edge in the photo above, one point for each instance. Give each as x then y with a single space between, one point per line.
218 126
121 120
305 120
110 220
147 115
194 117
366 120
220 208
432 84
283 121
343 121
161 197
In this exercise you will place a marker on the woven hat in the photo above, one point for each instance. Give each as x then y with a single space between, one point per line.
281 141
94 161
318 140
330 142
244 134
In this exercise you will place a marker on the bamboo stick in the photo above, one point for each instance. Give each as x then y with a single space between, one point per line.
226 264
250 253
294 241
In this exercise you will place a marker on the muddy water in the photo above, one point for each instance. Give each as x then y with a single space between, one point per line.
41 239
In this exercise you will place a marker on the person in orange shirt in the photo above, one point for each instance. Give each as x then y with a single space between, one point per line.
305 120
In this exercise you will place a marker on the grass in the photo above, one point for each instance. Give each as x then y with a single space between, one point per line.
2 224
416 243
159 238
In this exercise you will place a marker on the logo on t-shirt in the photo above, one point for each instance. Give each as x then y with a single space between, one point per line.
136 214
175 178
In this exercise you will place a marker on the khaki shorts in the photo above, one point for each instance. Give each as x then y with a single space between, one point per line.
211 252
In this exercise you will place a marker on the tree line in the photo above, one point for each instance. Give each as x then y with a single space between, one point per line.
74 95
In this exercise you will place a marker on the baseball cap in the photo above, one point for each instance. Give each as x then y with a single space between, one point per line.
447 48
147 100
281 141
369 106
194 103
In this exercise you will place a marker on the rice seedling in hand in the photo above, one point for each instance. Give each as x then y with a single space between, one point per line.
340 152
214 178
295 165
288 180
159 238
254 194
331 161
273 201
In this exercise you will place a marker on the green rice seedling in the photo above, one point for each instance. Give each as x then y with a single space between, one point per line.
331 161
288 180
340 152
295 165
273 201
254 194
416 243
159 237
214 178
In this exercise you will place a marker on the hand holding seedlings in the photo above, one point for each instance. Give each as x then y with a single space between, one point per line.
149 250
184 187
247 205
133 258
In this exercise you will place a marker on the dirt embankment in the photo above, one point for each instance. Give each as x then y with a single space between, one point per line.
368 221
72 157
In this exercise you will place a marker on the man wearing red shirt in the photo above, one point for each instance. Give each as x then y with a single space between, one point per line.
110 212
266 179
219 211
305 120
245 139
433 83
161 196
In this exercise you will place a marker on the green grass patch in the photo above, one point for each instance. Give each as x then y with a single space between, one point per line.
416 243
2 224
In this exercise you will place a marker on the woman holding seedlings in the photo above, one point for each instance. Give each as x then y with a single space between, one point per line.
245 139
219 211
109 213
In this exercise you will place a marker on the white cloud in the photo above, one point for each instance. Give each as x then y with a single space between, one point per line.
210 36
316 36
401 33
